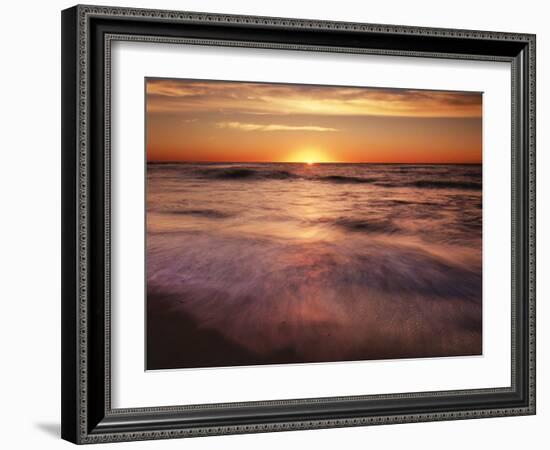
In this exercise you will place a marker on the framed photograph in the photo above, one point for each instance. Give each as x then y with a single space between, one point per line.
268 222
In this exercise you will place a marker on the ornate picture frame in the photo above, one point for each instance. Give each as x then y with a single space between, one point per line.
88 33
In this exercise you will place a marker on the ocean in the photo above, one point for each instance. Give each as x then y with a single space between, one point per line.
276 263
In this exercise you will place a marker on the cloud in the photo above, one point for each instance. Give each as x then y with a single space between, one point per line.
271 127
195 96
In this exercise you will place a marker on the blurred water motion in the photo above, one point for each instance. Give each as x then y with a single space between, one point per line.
290 263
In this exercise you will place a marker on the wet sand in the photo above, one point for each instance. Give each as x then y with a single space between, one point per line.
176 340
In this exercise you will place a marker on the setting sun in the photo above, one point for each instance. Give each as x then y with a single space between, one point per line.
309 155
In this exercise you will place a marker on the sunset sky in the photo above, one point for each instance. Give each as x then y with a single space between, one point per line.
194 120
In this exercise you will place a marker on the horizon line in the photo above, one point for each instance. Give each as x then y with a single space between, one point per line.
304 162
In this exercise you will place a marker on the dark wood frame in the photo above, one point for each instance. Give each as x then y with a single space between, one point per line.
87 32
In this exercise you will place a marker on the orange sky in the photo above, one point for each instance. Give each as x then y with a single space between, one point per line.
194 120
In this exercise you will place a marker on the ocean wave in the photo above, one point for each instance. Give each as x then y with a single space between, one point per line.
439 184
246 173
251 173
383 180
373 226
241 173
259 264
209 213
407 202
345 179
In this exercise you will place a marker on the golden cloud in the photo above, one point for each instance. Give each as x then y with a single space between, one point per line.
271 127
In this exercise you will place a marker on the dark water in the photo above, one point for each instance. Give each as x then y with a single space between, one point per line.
280 263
